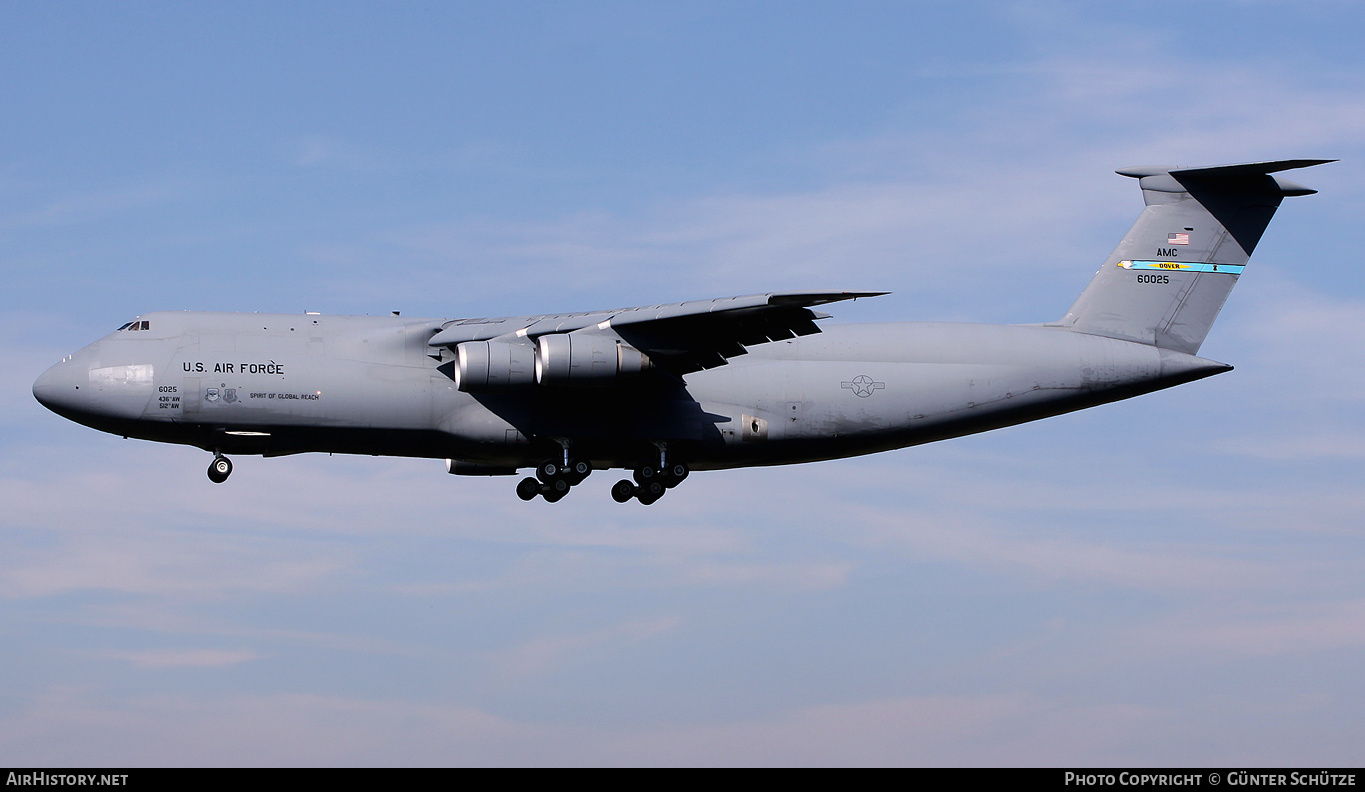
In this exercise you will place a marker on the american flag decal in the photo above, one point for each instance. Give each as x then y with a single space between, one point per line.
1178 239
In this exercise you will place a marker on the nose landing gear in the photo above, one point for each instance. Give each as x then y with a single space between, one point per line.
219 469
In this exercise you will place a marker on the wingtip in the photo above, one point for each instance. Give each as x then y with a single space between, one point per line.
818 298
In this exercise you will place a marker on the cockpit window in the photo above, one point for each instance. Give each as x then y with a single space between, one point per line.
142 325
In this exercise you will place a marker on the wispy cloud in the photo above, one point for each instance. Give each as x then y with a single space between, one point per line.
320 730
162 563
85 208
549 653
185 658
1258 630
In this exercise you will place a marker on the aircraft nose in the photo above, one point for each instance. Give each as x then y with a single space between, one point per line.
59 388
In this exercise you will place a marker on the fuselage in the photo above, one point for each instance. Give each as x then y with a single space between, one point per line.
665 389
278 384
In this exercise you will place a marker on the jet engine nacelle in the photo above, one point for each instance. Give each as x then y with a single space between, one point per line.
579 360
563 359
493 365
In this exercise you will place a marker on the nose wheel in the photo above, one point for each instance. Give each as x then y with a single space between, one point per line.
219 469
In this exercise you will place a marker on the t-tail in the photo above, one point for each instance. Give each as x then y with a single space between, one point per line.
1167 280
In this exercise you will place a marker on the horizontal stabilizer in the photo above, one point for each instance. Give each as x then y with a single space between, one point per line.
1245 179
1216 171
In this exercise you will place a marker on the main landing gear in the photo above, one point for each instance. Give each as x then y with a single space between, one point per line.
219 469
651 482
554 479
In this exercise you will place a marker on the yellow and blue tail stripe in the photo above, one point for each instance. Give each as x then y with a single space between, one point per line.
1183 266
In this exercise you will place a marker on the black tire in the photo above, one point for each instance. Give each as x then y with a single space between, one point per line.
673 475
579 470
548 471
528 488
552 496
558 487
622 491
646 473
219 469
650 493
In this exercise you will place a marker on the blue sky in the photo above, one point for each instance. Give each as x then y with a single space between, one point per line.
1170 580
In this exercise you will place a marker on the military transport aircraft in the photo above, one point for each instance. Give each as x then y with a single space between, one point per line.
666 389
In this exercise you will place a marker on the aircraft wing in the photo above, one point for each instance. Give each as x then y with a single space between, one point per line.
679 337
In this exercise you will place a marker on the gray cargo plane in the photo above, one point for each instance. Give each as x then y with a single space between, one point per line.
666 389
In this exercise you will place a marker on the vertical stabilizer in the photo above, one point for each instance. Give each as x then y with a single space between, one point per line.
1167 280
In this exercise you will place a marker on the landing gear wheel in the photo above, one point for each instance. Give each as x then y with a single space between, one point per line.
622 491
549 471
674 474
648 493
219 469
559 488
577 470
553 495
645 474
528 488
